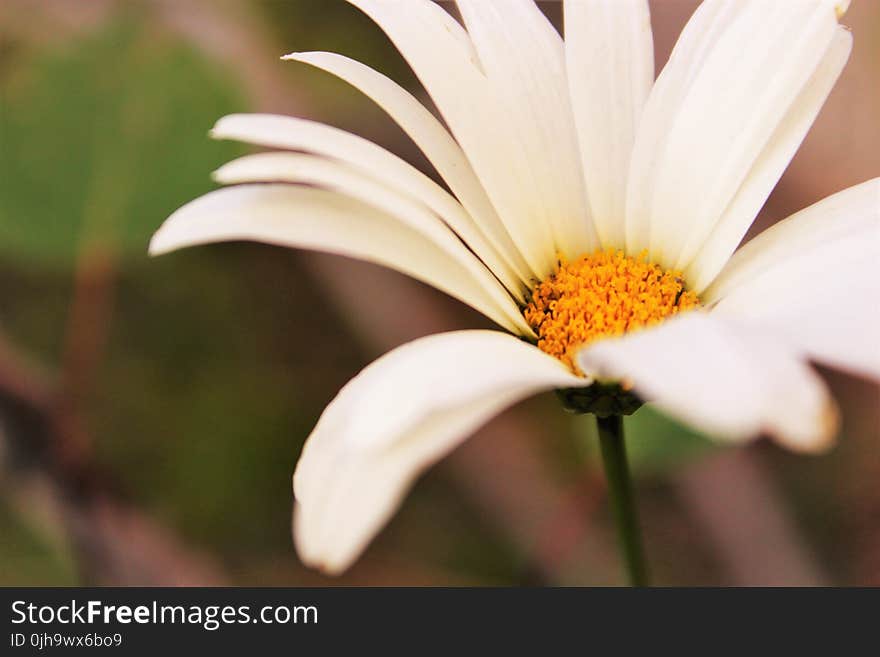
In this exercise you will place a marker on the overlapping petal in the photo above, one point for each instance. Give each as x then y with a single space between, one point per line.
397 417
504 111
328 221
301 134
730 83
488 236
813 279
768 168
523 59
609 53
309 169
724 377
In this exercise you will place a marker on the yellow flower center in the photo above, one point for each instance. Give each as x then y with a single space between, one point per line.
602 295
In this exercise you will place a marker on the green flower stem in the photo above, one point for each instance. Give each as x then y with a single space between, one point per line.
620 492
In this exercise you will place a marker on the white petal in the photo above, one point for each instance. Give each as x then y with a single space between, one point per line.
610 57
327 221
768 168
523 59
313 170
844 216
695 42
442 56
729 83
489 237
813 278
301 134
334 526
727 379
397 417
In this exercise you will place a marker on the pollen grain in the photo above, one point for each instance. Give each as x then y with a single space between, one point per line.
601 295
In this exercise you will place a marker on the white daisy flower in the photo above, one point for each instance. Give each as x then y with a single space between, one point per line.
593 213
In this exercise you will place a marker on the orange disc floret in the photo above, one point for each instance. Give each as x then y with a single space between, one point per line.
601 295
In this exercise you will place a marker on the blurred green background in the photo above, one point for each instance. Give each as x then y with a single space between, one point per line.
152 411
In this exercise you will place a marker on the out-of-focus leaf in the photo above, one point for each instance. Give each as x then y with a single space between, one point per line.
656 442
26 559
102 138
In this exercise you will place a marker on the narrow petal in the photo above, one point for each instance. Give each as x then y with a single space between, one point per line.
324 220
694 44
444 59
490 241
301 134
609 52
397 417
768 168
729 83
813 278
724 378
312 170
523 58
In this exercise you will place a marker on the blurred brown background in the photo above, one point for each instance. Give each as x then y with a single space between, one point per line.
151 411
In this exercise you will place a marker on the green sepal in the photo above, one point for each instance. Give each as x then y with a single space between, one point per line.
600 399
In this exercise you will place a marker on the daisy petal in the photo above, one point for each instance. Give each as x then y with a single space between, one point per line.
444 59
724 378
728 85
523 58
300 134
311 170
327 221
768 168
667 94
489 238
610 57
400 415
812 278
